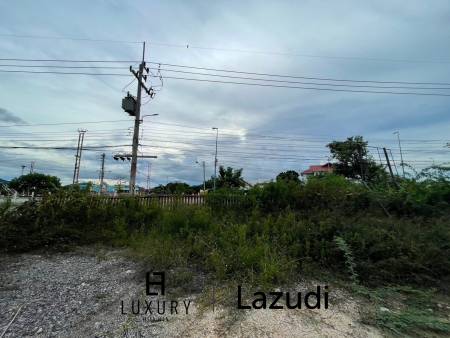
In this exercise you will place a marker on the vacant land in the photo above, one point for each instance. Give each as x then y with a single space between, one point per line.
78 294
383 251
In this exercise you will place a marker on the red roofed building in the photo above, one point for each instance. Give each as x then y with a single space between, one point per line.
315 170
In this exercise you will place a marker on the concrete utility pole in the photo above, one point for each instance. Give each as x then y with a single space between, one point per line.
204 175
102 173
76 171
148 176
215 158
137 121
139 75
32 167
401 153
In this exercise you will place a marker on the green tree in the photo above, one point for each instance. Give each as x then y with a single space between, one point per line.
37 183
178 188
230 178
354 160
288 176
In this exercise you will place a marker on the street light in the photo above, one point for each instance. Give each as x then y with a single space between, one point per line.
148 115
142 121
204 176
215 157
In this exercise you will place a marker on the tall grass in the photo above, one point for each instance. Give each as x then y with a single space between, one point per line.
274 233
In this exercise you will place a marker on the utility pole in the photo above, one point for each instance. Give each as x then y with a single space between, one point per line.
401 153
32 167
76 171
204 175
148 176
102 173
389 165
215 158
139 75
393 161
23 168
379 156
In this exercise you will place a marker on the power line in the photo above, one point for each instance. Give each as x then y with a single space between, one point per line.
308 138
24 36
62 73
296 76
299 82
222 49
61 123
63 147
189 46
63 67
307 88
266 154
68 60
225 70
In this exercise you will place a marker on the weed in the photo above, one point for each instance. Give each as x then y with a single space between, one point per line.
348 255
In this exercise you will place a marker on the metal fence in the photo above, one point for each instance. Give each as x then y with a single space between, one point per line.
177 200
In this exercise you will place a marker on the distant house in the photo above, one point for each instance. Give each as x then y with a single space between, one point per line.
93 187
122 188
315 170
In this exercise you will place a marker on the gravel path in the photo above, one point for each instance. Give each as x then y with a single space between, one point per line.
62 295
78 294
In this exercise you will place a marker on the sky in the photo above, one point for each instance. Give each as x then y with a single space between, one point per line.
262 129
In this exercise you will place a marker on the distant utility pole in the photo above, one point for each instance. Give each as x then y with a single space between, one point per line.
23 168
148 176
136 112
76 171
32 167
102 173
204 175
215 158
389 165
401 153
393 161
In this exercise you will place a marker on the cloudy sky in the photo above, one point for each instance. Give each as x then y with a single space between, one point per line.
263 129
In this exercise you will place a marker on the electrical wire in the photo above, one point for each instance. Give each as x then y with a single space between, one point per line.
64 148
307 88
296 76
62 73
69 60
61 123
62 67
189 46
24 36
226 70
301 82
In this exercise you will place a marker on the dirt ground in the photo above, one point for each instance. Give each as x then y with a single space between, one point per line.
79 294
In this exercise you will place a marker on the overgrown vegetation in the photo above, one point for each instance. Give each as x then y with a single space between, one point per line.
270 233
406 311
361 227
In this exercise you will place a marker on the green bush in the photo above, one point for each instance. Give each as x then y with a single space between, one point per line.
266 235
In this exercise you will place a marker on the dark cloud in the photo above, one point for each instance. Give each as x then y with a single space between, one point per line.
7 116
368 34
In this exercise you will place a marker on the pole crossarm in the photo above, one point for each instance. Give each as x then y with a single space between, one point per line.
149 91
